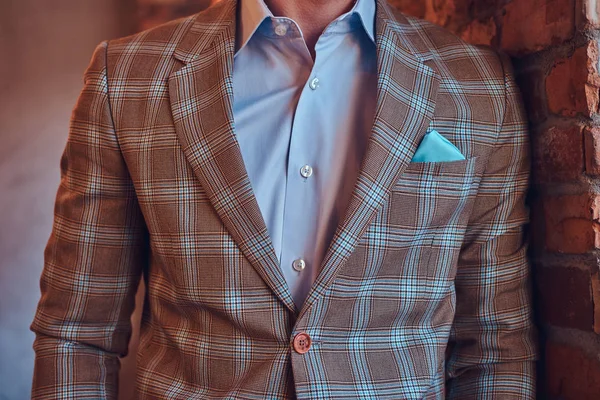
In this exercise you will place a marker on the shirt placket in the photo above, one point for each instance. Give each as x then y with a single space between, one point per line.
304 183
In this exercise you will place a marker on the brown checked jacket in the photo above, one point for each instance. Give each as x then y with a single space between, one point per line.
424 290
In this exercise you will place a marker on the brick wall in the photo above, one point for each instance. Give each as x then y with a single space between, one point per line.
555 51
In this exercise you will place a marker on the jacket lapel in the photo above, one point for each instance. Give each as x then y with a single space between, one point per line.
406 93
201 102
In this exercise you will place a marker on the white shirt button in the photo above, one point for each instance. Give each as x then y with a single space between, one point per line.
314 84
306 171
299 264
281 30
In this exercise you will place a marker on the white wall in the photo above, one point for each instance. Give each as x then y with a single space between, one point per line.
45 46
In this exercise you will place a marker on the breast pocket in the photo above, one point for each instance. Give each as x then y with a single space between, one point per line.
432 195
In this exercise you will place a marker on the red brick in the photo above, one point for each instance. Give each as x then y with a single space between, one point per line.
415 8
532 25
565 297
454 15
472 19
596 300
447 13
478 32
572 85
588 14
592 150
571 223
557 154
571 374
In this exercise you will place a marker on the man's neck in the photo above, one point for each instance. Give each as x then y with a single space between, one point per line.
312 16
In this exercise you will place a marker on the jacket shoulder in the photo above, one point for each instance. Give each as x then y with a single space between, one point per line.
455 56
157 41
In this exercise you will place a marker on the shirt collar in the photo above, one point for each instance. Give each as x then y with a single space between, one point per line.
253 12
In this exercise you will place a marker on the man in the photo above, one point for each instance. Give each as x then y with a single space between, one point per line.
326 204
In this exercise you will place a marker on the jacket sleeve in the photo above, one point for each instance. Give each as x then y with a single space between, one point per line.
94 257
492 345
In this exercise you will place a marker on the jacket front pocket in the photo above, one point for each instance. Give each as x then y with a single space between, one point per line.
434 194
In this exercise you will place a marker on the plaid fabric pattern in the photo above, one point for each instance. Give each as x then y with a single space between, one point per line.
423 293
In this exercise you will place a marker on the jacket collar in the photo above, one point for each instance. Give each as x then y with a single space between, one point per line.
253 12
201 95
219 22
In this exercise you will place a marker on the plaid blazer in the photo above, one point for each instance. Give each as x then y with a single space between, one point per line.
424 290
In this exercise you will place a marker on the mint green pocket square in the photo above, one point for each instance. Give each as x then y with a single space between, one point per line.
436 148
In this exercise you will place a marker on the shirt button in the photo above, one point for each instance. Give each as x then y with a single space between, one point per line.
314 84
306 171
299 264
302 343
280 30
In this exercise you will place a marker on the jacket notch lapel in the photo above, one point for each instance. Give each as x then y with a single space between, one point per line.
406 93
201 94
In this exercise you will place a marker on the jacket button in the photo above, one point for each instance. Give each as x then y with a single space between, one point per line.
302 343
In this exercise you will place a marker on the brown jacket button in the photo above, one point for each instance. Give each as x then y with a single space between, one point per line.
302 343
